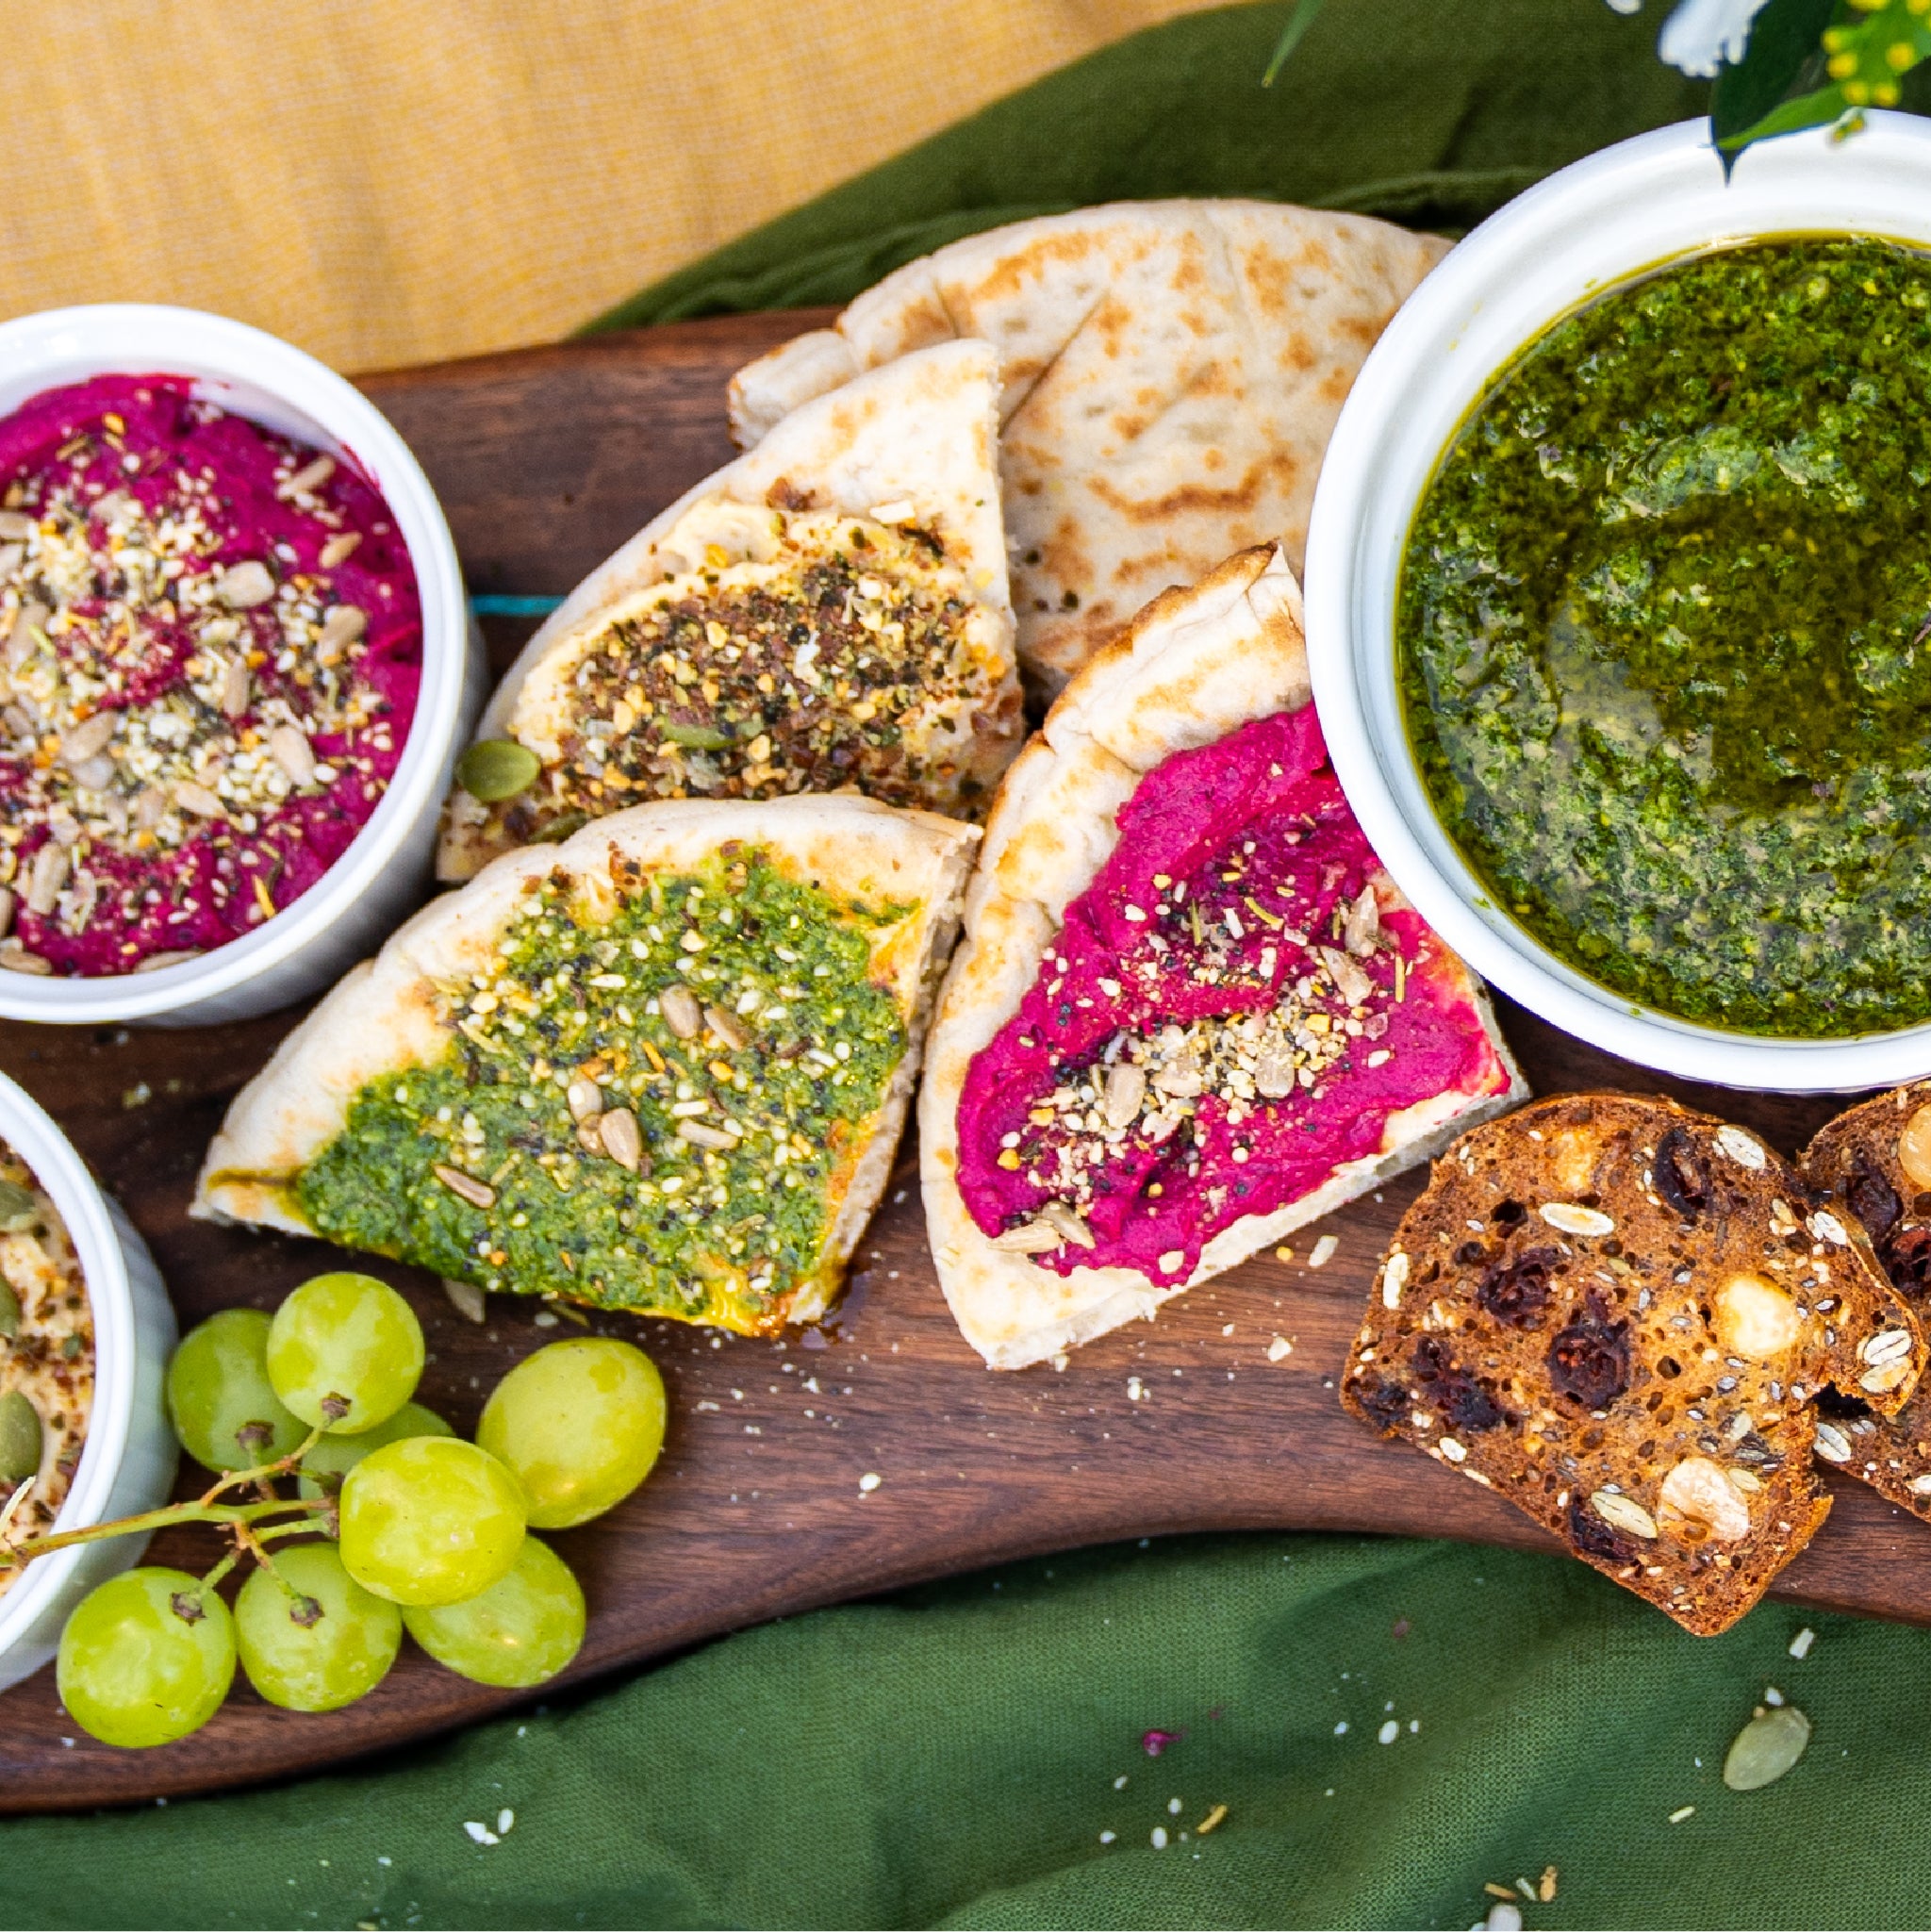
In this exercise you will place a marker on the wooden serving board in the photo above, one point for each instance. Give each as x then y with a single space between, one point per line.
545 461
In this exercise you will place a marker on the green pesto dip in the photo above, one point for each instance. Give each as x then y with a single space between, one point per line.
1664 638
730 1014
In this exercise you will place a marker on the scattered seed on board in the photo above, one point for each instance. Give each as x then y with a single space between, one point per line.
1766 1747
682 1013
466 1299
1323 1251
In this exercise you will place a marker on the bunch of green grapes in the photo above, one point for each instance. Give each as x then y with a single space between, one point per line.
405 1527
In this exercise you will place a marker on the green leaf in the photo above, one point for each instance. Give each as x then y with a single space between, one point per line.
1786 40
1298 22
1807 110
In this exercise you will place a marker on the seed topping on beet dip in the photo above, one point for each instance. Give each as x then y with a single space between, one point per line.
1232 1009
211 648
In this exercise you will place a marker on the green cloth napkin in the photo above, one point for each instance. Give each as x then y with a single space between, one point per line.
956 1757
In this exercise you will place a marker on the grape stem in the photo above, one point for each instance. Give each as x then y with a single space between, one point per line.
237 1517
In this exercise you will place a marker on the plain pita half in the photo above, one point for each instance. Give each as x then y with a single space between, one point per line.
421 1003
1172 373
1193 667
829 612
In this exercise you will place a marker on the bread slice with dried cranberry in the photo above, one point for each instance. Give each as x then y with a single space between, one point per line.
1875 1163
1617 1314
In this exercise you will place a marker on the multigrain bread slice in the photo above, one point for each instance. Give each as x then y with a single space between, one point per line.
662 1067
1874 1164
1617 1314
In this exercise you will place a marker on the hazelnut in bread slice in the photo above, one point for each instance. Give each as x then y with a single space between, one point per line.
1617 1314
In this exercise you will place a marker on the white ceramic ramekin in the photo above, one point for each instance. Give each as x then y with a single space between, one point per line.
384 873
127 1463
1624 210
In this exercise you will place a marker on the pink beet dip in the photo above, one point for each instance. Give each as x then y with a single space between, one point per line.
1233 1010
210 649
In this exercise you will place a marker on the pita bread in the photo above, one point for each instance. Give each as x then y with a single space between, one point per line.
404 1010
829 611
1194 665
1173 371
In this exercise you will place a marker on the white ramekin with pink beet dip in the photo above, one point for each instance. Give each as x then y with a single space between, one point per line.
235 669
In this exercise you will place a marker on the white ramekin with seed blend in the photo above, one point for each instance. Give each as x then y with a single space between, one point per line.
1630 208
127 1463
380 877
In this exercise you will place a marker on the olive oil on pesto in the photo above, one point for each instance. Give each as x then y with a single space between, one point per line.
1664 638
721 1228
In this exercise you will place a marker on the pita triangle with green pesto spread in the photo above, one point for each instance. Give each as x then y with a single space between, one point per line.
659 1067
1189 1011
828 613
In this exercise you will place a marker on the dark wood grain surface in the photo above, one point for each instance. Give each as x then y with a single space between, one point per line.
546 461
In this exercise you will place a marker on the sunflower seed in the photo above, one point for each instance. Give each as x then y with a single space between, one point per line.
29 631
466 1299
197 798
311 476
1623 1512
1274 1071
1743 1148
622 1139
49 874
15 958
342 624
85 740
157 962
1125 1088
1029 1237
339 550
241 586
1363 923
1833 1444
1394 1279
1058 1216
1354 984
1574 1220
288 746
7 905
699 1136
586 1099
466 1187
727 1029
236 687
16 526
96 775
1766 1747
682 1013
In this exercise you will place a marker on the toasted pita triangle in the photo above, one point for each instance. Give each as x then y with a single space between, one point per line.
1191 667
877 506
410 1006
1173 371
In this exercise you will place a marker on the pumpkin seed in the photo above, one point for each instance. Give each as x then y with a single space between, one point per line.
19 1438
497 768
558 828
695 737
9 1312
1766 1747
19 1211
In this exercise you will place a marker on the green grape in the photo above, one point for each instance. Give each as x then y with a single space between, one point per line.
430 1520
579 1423
321 1646
519 1632
333 1456
223 1410
349 1339
147 1658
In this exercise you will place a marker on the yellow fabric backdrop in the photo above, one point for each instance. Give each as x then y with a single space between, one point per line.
393 181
